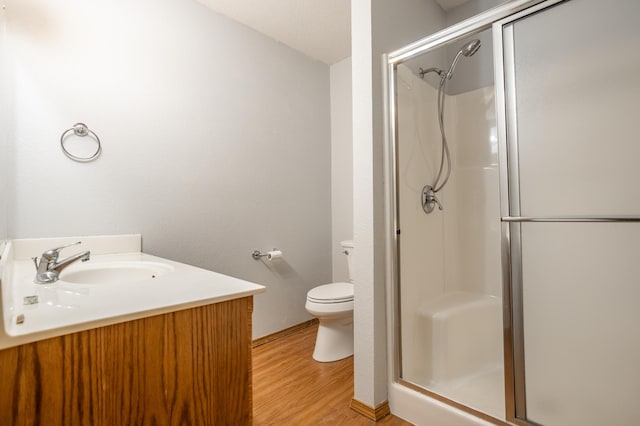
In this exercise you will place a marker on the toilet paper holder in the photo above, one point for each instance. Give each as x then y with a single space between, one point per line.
273 254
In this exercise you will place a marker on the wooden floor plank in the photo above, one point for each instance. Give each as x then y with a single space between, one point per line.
290 388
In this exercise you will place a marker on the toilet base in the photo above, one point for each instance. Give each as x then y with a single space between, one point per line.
334 340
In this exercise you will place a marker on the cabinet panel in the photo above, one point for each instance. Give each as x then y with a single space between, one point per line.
185 367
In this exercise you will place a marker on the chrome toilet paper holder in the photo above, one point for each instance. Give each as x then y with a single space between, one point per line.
257 254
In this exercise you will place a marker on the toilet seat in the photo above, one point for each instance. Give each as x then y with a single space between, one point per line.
331 293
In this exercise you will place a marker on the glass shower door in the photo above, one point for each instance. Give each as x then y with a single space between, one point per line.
449 277
572 103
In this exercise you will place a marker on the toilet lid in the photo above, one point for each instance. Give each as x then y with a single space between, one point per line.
331 293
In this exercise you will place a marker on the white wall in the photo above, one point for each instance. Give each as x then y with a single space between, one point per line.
377 27
4 131
341 165
216 140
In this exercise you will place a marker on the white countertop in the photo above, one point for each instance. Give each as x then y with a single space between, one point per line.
65 307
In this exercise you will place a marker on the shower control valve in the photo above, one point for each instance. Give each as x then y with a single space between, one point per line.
429 199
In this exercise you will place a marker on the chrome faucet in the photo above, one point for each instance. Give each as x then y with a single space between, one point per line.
49 268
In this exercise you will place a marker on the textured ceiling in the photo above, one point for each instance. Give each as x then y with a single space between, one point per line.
321 29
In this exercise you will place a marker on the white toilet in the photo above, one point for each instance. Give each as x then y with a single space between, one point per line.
332 304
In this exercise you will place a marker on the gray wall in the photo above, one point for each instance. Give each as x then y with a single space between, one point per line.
341 165
5 131
216 140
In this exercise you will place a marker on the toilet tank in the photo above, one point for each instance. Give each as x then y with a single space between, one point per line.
347 249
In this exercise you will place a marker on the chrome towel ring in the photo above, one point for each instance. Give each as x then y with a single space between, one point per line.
80 129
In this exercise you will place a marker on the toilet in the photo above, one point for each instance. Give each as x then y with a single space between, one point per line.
332 304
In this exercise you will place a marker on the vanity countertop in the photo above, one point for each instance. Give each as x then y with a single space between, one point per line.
65 307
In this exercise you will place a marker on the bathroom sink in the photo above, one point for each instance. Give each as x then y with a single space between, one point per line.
114 272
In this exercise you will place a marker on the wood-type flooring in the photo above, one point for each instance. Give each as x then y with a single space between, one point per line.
290 388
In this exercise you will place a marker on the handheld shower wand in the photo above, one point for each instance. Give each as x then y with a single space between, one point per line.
467 50
429 199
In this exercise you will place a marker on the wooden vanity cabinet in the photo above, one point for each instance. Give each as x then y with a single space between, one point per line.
189 367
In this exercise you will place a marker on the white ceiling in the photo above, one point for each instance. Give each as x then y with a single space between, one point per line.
320 29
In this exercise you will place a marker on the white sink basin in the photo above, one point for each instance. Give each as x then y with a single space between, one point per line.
115 286
114 272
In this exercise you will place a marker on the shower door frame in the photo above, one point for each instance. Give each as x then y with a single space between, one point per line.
512 324
506 118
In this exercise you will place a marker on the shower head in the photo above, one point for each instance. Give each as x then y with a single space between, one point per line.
467 50
470 48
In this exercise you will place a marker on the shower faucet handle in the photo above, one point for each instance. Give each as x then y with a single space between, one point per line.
429 199
435 199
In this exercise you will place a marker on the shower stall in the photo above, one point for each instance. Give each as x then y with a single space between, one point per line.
514 214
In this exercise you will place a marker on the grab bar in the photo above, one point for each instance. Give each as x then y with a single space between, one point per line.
570 219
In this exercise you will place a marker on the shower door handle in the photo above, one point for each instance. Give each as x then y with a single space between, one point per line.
619 218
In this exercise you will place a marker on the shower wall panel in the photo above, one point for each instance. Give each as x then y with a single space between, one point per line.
421 243
5 97
449 260
475 221
456 249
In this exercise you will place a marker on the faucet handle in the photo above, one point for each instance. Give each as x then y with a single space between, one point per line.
52 254
35 261
429 199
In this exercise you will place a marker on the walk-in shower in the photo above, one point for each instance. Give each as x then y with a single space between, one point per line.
429 198
517 301
450 287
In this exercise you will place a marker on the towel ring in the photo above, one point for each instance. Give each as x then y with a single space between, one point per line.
80 129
